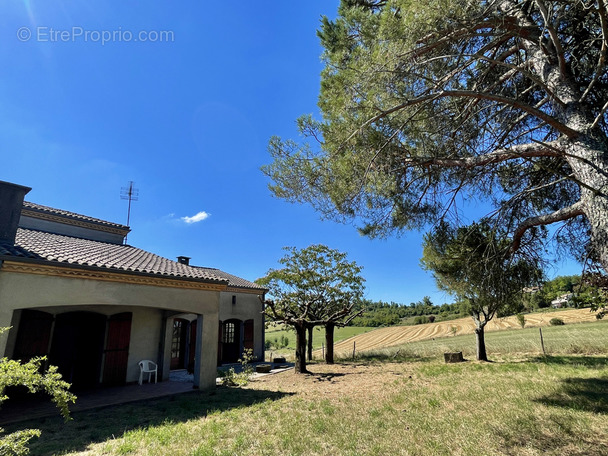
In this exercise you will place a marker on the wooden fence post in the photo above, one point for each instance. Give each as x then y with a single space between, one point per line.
542 343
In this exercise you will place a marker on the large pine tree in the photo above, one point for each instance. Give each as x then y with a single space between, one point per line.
428 104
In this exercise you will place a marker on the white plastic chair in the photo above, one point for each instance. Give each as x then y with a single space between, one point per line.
149 367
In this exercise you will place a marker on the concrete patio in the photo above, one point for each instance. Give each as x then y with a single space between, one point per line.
180 382
11 412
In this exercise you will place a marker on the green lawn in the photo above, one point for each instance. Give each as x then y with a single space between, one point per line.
579 338
276 332
406 401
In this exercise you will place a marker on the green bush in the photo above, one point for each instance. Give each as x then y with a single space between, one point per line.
284 341
30 375
556 322
233 378
521 320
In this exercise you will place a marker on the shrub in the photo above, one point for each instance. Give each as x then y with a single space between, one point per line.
556 322
521 320
284 341
233 378
30 375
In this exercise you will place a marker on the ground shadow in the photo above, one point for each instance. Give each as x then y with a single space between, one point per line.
326 376
586 394
522 434
379 357
111 422
592 362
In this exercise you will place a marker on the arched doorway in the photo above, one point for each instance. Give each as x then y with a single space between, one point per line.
77 347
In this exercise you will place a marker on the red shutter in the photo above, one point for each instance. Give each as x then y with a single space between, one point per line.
220 337
192 346
117 349
34 335
248 336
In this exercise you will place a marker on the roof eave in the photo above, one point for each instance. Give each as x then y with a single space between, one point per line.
109 270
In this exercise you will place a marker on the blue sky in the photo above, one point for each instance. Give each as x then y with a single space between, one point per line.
86 105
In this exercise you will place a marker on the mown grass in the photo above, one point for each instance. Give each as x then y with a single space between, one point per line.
579 338
276 332
520 404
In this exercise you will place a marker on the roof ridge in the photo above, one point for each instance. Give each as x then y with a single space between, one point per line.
61 248
69 214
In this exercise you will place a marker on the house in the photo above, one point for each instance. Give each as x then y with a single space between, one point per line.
241 322
562 301
72 291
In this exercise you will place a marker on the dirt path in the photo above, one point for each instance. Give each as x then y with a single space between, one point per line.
396 335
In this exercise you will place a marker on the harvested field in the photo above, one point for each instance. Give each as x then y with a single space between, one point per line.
396 335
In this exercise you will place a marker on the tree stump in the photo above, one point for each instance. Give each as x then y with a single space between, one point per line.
455 357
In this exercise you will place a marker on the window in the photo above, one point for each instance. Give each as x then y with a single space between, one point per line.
176 340
228 333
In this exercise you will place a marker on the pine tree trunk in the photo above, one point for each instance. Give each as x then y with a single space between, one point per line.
329 343
590 166
587 154
310 329
481 344
300 349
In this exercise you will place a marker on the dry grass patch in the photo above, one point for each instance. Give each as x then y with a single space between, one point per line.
548 406
396 335
519 405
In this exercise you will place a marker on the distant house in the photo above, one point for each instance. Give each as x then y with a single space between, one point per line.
562 301
70 290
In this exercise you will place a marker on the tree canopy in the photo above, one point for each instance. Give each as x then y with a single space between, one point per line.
473 263
316 286
426 105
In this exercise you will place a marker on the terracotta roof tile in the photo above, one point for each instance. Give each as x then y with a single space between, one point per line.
233 280
57 248
51 210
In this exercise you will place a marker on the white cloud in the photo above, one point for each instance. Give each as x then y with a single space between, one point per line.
202 215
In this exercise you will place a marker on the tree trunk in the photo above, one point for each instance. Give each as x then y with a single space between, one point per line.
310 329
329 343
481 344
300 349
590 166
587 154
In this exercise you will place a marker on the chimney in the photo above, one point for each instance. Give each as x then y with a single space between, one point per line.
183 260
11 203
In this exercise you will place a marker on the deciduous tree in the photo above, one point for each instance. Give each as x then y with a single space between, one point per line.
316 286
428 104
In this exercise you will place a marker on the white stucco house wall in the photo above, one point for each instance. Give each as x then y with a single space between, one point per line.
71 290
562 301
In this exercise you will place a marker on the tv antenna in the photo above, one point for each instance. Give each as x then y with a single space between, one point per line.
132 194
